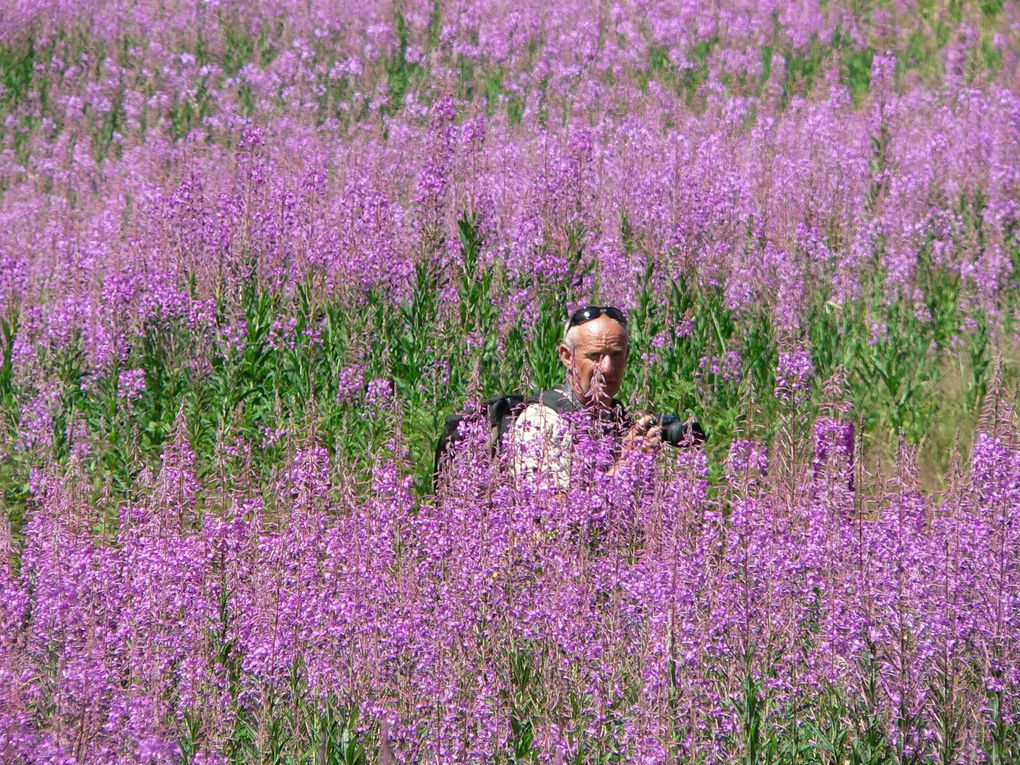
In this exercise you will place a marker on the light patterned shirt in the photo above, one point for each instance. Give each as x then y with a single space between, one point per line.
542 441
542 447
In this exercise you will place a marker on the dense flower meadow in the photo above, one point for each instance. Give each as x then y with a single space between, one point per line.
252 253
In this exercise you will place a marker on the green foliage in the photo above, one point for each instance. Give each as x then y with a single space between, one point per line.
901 369
522 704
401 74
1003 745
857 72
683 79
17 70
238 47
8 331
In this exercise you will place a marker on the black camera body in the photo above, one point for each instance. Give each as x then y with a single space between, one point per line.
676 432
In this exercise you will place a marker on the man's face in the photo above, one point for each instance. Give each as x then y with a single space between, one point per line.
598 358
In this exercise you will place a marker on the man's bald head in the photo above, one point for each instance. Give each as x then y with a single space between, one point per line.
595 356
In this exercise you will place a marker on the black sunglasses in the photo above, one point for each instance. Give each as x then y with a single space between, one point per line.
589 312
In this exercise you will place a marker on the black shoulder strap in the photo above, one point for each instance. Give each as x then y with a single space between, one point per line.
499 412
556 401
502 410
498 407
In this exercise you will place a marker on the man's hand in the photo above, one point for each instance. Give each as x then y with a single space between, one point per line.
643 435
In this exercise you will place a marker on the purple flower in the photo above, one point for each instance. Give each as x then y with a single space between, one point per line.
351 384
379 392
747 456
834 446
793 375
131 384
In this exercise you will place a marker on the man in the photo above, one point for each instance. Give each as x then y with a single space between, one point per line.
594 353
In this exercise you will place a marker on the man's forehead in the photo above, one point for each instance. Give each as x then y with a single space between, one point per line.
602 332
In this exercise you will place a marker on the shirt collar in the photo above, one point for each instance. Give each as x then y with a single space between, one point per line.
615 411
567 391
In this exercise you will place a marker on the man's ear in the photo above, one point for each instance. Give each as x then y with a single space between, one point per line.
567 356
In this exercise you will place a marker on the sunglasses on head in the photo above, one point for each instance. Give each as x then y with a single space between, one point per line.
589 312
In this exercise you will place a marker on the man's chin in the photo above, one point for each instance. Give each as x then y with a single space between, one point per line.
608 391
601 397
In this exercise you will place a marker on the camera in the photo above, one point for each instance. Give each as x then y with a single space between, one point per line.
676 432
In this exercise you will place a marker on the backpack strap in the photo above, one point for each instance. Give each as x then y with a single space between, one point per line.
559 402
555 400
499 412
502 411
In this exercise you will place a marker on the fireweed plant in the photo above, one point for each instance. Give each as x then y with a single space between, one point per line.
252 253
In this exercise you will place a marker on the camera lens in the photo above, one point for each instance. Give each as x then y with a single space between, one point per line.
675 432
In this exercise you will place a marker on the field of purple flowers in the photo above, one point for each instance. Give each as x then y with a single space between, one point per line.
252 253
